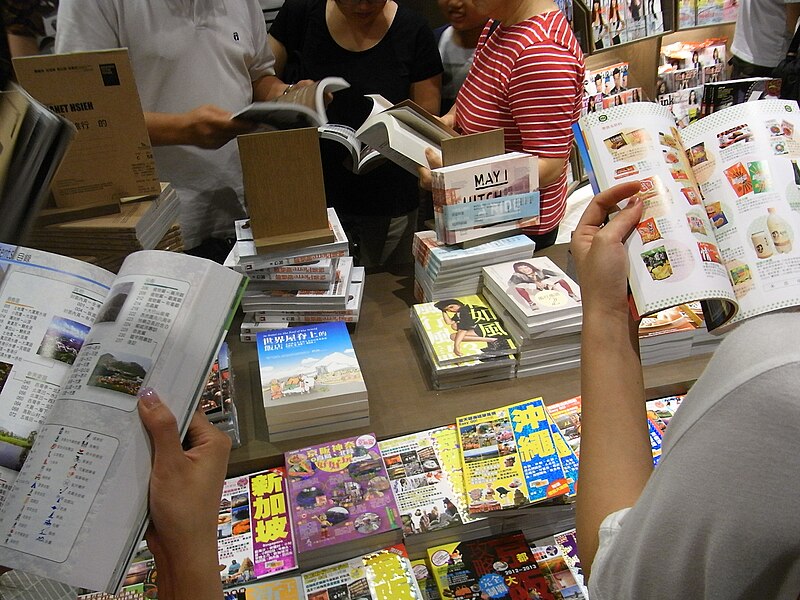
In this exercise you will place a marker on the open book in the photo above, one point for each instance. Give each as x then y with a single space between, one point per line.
721 200
74 456
402 132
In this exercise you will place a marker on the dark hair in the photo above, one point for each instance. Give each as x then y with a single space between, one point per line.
523 264
616 71
443 304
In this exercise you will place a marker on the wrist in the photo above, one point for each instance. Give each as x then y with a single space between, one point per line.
288 88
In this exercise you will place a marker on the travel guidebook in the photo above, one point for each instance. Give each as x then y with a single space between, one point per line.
382 575
457 329
254 529
509 457
501 567
721 200
80 344
425 471
339 492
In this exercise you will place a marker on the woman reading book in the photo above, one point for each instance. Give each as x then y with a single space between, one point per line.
527 79
729 455
378 47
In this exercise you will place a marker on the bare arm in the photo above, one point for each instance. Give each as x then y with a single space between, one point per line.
616 460
268 87
206 126
428 93
279 52
22 45
792 14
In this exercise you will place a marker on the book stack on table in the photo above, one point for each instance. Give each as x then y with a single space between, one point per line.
541 307
675 333
442 271
313 284
311 381
463 341
148 223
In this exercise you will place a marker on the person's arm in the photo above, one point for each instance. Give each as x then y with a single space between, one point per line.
22 45
616 459
269 87
792 14
183 533
279 52
428 93
206 126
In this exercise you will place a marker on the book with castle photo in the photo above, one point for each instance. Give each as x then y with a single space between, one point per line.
721 200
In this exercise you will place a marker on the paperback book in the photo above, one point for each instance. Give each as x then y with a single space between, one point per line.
458 329
500 566
83 342
425 473
484 197
720 205
254 530
509 457
385 574
340 492
558 562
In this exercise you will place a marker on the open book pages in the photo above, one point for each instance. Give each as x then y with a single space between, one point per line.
75 460
301 106
721 200
402 132
362 158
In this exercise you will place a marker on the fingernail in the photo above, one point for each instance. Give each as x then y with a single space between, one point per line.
149 397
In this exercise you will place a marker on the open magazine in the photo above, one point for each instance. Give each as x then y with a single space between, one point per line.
721 200
80 344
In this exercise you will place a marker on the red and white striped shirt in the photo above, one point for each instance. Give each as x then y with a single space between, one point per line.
528 79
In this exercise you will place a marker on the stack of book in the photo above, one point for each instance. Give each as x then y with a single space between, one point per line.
464 341
541 307
311 381
313 284
442 271
486 198
340 492
141 224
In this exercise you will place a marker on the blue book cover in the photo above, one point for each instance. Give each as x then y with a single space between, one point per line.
309 364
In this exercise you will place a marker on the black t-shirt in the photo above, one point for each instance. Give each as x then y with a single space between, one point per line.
406 54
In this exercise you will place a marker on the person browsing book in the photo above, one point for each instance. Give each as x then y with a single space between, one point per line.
718 517
378 47
527 79
194 64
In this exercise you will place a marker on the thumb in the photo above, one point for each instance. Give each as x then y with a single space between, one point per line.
162 428
623 223
433 157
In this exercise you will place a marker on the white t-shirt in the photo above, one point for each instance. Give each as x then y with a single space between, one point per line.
718 518
456 61
760 37
185 53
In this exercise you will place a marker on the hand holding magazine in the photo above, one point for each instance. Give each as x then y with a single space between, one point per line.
721 200
74 456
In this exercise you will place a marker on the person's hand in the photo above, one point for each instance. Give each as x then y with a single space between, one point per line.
185 491
600 257
211 127
434 162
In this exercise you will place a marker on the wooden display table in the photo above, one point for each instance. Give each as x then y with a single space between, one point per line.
401 399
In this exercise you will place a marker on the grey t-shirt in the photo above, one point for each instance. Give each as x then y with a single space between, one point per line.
720 516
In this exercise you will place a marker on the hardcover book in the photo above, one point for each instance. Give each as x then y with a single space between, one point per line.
509 457
500 567
719 223
385 574
339 492
254 530
83 343
425 472
458 329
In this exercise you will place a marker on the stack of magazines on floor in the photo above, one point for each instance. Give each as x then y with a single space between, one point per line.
442 271
464 341
312 284
409 517
541 306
